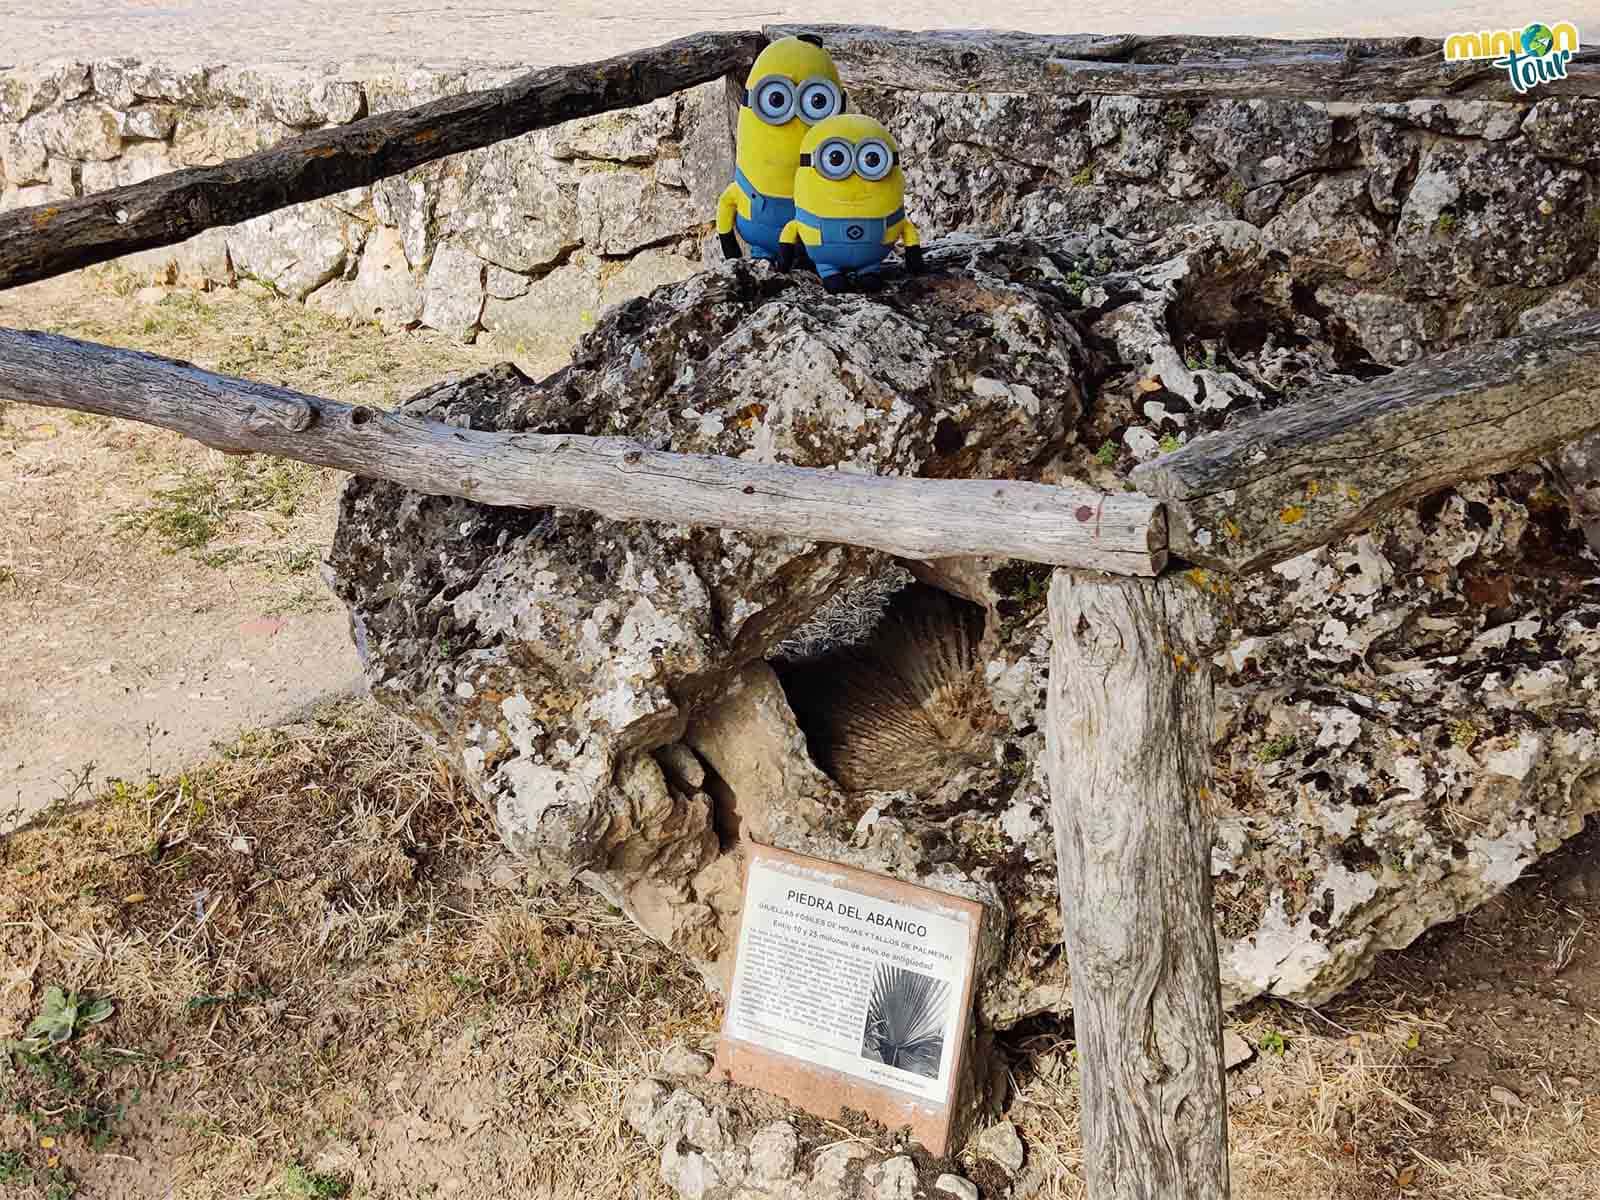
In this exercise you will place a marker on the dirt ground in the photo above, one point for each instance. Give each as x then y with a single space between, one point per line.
157 595
326 979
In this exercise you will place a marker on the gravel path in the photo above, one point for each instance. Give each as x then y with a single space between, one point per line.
559 31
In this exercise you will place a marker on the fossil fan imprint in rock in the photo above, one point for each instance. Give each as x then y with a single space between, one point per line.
903 709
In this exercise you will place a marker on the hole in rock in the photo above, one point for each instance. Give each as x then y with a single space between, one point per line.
906 707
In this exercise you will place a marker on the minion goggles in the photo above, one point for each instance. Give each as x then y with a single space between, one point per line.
777 99
838 158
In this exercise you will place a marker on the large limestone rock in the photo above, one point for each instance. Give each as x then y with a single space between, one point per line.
559 656
1404 720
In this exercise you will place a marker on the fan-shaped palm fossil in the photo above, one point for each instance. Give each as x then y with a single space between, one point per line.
903 709
905 1020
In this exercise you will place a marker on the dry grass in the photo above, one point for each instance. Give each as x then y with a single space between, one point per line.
322 960
1340 1116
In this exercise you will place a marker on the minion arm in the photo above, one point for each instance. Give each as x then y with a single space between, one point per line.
728 207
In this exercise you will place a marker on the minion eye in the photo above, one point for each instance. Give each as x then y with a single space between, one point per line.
873 160
819 100
834 159
775 100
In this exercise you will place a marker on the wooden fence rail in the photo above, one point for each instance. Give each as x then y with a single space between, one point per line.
1294 480
913 518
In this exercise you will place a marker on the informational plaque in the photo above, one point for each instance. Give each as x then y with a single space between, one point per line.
851 990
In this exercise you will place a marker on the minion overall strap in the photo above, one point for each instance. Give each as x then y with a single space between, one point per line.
764 208
850 229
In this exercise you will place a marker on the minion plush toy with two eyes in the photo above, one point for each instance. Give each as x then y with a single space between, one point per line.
849 196
792 86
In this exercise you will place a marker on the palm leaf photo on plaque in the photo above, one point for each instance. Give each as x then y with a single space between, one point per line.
905 1021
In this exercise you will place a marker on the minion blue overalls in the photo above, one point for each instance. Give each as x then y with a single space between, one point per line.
768 216
853 244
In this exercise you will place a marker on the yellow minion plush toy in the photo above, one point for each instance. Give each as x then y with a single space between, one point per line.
849 198
792 85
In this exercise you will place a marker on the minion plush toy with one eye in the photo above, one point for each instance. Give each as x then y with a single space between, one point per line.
849 197
791 87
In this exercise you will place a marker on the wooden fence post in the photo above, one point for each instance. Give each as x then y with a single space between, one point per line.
1128 744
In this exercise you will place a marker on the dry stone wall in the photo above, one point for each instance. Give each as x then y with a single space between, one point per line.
1407 227
529 239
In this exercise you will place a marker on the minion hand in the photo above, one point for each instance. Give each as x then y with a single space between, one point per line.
914 263
786 253
730 246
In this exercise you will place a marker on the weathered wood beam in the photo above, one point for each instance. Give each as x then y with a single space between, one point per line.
1129 721
51 239
1287 482
616 477
1173 67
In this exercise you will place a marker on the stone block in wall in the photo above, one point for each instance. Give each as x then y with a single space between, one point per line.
501 284
1566 127
153 122
1329 233
1392 329
1129 136
1264 141
453 295
355 202
200 263
27 197
139 161
23 157
122 82
514 205
25 90
407 87
383 290
73 80
85 132
1484 213
540 327
623 210
1389 154
705 161
407 203
207 136
626 135
296 250
63 178
302 97
644 273
1492 120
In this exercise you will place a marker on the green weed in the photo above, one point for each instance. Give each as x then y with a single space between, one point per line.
1278 748
192 514
313 1185
60 1016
